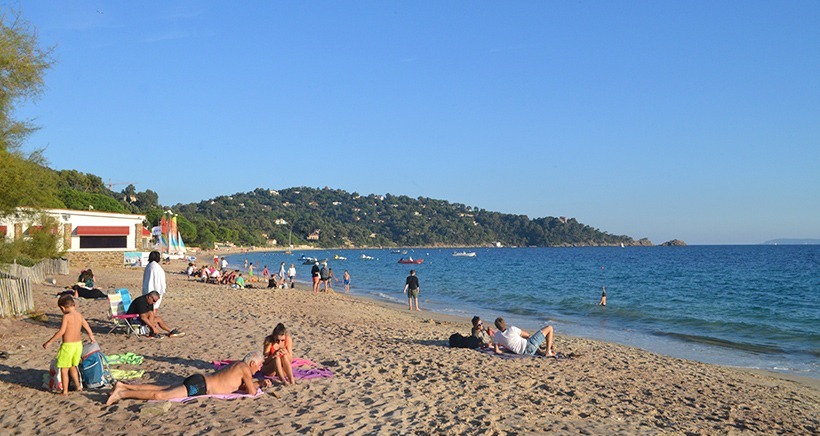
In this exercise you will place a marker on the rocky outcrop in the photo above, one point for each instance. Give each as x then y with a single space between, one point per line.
674 243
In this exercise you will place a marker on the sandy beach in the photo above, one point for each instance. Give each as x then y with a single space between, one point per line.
393 374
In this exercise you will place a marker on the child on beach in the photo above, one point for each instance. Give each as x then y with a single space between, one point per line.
71 349
278 351
346 281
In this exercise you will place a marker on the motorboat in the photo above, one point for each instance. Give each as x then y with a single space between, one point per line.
410 260
464 253
366 257
337 257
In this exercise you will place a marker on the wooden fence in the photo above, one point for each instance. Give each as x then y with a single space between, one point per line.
16 297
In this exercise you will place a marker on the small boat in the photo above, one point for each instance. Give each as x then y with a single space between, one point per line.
410 260
337 257
395 251
464 253
366 257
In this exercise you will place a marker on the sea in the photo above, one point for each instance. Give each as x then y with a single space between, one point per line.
749 306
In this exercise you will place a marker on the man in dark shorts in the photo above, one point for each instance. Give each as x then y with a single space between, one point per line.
411 288
237 376
144 307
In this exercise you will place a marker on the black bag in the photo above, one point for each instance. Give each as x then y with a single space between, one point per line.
457 340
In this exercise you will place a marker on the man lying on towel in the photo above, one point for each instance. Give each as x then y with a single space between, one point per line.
234 377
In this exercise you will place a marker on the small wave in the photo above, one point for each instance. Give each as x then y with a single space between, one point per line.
752 348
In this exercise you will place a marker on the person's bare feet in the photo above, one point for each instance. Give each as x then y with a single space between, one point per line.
115 395
418 309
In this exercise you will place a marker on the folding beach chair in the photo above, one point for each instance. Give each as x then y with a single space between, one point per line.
119 301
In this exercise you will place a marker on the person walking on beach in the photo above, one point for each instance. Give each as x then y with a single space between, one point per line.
346 281
224 264
411 288
292 276
265 272
520 341
234 377
314 273
153 279
71 349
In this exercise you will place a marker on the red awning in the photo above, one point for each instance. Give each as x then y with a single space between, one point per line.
146 232
4 230
102 230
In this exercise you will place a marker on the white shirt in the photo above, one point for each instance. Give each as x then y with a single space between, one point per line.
511 339
292 271
153 279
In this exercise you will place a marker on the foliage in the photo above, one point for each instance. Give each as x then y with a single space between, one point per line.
78 200
345 219
37 245
23 181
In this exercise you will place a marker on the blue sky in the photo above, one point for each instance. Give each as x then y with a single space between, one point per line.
659 119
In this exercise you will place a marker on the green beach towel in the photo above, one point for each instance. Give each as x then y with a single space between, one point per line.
124 359
124 374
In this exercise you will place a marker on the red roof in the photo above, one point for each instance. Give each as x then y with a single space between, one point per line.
146 232
102 230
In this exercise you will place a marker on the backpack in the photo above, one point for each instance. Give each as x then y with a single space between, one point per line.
94 370
323 273
457 340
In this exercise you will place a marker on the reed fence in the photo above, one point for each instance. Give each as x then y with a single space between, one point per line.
16 297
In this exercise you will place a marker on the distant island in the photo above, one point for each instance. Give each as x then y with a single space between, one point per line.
787 241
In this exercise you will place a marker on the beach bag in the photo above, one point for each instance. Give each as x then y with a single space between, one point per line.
52 381
94 370
457 340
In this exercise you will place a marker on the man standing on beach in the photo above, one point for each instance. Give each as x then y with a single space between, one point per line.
521 342
411 288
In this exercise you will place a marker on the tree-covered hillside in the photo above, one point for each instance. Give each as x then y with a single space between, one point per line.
349 219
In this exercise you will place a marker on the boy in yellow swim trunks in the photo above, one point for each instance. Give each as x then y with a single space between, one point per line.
72 348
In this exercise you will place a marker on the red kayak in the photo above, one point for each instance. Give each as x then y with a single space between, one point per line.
413 261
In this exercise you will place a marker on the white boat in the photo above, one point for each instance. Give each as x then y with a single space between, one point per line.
337 257
464 253
366 257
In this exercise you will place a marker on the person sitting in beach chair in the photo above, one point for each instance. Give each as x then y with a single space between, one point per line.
237 376
520 341
144 307
278 351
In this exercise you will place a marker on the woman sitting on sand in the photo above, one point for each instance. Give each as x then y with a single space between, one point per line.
278 352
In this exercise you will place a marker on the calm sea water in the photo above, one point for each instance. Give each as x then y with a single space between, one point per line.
746 306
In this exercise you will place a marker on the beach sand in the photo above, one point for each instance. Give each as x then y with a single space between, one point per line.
393 374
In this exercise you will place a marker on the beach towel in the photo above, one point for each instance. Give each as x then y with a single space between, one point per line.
298 373
510 355
217 396
124 374
125 359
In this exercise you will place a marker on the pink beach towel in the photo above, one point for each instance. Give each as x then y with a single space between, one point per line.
298 373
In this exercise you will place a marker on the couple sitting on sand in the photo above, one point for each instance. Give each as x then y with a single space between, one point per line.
275 359
514 339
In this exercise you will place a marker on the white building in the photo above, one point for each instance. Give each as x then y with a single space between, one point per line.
86 235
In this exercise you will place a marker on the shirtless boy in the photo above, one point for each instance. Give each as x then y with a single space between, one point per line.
72 348
234 377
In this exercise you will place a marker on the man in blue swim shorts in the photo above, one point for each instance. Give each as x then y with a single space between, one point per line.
521 342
